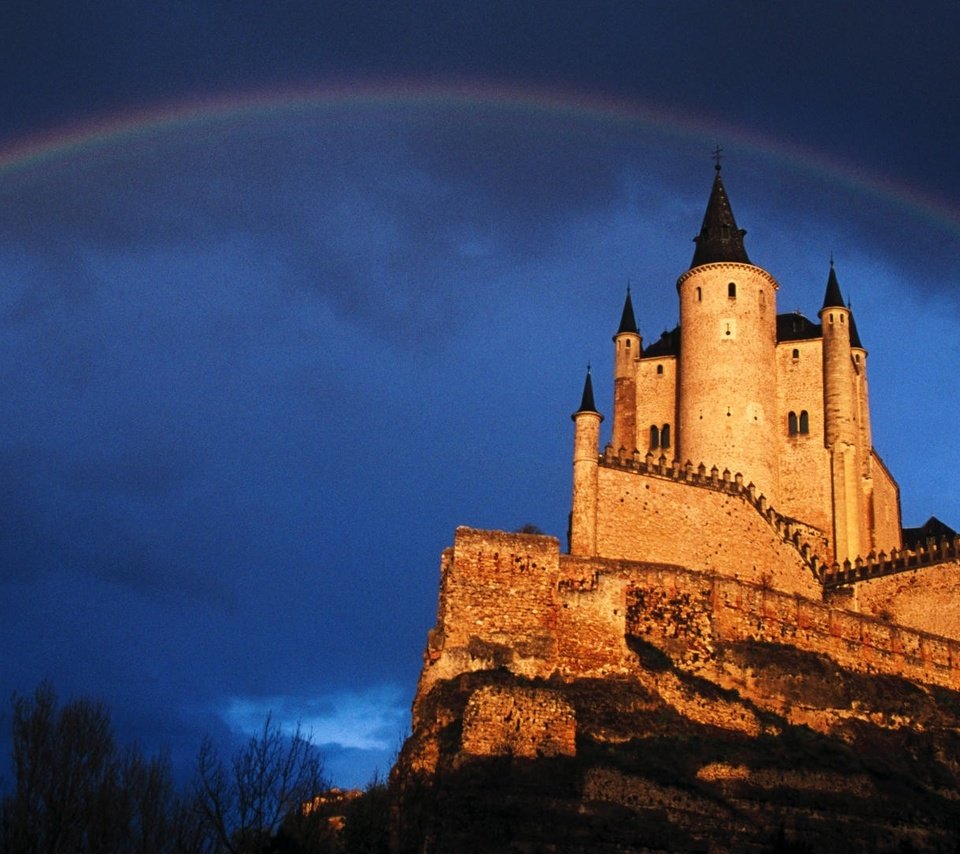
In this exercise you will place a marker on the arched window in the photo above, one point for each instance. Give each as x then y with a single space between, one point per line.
796 353
659 369
665 436
628 343
804 422
654 436
732 290
792 424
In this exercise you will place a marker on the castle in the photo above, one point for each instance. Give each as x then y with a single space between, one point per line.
777 398
740 460
736 566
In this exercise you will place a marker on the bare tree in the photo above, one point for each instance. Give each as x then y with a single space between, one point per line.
74 791
244 803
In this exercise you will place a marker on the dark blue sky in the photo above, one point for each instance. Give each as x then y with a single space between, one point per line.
258 363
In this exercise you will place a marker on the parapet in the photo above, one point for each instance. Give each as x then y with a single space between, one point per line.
786 528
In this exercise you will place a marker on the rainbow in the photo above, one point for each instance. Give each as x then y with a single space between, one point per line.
38 151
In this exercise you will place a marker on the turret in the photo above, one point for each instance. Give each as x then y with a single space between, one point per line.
727 378
586 444
628 347
841 424
859 353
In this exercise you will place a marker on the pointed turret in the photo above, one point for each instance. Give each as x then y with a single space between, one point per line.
854 335
832 298
628 323
628 348
719 238
586 442
586 401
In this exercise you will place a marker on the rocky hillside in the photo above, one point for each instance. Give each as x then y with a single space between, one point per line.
761 748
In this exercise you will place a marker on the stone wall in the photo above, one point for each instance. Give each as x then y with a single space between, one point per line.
804 462
656 400
667 519
664 607
498 604
518 721
886 506
513 602
924 597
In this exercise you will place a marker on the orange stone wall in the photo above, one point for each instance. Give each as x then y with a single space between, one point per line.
656 402
512 601
804 461
926 598
664 521
887 534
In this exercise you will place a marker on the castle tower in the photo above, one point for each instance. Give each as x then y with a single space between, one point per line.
586 444
628 347
727 378
843 423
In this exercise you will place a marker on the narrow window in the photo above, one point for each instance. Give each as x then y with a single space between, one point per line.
654 436
665 436
796 354
792 423
732 290
841 318
831 318
699 295
804 422
659 369
763 300
628 343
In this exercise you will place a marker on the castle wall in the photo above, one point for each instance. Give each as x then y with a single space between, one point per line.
498 605
512 601
885 503
667 521
656 401
926 598
804 462
528 722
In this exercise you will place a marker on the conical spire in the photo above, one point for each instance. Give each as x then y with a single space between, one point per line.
628 322
719 238
854 335
832 298
587 403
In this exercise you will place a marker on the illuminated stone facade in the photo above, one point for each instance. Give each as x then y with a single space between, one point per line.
776 399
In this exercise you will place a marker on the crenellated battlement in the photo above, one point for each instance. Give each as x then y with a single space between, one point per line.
788 530
831 575
876 565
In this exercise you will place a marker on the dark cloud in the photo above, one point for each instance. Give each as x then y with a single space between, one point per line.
256 370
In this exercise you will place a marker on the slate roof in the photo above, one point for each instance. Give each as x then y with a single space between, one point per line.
795 327
668 344
719 238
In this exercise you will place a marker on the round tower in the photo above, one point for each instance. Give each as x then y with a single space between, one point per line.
841 425
586 444
727 391
627 348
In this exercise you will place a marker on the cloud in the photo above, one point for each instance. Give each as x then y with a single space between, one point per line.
358 731
367 719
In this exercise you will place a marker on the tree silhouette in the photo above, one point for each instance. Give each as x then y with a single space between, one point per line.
75 791
244 802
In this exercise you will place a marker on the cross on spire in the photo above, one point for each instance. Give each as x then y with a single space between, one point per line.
716 156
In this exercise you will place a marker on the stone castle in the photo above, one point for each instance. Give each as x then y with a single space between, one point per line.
738 506
777 399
